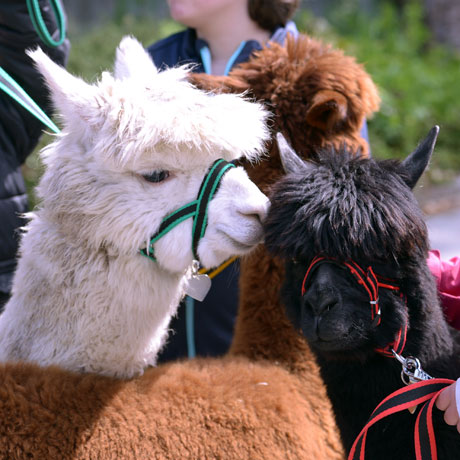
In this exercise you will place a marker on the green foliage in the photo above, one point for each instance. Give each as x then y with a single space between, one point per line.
94 51
417 79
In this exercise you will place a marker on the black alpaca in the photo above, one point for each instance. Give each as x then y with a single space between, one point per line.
349 209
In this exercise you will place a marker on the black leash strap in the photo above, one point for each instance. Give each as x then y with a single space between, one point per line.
422 392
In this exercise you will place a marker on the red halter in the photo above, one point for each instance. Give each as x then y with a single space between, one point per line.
371 283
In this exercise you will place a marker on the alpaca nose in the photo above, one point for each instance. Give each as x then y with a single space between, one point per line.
257 209
321 302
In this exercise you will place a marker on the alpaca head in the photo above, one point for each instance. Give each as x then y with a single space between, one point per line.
351 214
135 147
318 95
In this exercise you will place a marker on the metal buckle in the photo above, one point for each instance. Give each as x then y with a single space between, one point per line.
412 371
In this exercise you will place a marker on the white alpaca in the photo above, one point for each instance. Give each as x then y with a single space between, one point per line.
134 148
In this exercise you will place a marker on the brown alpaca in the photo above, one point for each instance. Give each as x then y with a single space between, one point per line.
318 97
265 399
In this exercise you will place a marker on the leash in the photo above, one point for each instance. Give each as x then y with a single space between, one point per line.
420 387
214 272
14 90
190 306
424 438
39 24
10 86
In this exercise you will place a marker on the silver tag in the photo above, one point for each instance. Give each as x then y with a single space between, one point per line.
198 285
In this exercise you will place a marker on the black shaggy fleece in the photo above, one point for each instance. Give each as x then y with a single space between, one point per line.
348 207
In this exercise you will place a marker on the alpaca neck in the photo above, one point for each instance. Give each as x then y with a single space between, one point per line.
262 329
87 310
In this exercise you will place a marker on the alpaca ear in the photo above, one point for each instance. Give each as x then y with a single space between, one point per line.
327 110
289 159
71 96
415 164
132 61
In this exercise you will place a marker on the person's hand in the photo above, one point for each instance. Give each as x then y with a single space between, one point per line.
449 402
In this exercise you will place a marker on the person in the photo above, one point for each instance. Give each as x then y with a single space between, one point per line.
449 402
19 129
219 35
447 276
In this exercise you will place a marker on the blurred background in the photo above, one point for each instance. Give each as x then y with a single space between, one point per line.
411 48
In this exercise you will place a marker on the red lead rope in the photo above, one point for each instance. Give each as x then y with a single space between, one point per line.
405 398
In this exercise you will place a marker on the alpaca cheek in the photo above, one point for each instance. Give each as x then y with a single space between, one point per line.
173 251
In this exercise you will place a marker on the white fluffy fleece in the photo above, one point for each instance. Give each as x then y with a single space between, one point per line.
83 297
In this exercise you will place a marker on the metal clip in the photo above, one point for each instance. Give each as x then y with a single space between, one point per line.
412 371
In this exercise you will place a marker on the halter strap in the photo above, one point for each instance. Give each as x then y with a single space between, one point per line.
367 279
197 209
371 283
207 190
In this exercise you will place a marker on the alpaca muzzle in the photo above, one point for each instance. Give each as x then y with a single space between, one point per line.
367 279
371 284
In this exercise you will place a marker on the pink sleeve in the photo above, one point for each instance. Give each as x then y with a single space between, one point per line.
447 274
457 395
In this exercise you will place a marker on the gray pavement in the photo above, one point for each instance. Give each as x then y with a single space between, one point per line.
444 233
441 205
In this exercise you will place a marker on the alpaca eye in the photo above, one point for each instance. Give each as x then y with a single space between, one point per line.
156 176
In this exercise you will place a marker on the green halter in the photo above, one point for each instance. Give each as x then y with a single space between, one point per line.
197 209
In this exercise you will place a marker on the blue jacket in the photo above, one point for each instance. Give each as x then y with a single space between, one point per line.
205 328
185 48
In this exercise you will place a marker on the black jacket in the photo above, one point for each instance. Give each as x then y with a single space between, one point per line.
19 130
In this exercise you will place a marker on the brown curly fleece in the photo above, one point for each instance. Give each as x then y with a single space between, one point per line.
265 400
228 408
